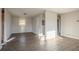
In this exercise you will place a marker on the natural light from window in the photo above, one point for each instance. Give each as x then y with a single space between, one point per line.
49 35
22 24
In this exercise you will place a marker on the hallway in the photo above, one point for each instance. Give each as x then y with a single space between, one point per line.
30 42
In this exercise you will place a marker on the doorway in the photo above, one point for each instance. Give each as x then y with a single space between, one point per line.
58 25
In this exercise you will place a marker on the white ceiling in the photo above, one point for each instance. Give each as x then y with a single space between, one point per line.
62 10
28 11
35 11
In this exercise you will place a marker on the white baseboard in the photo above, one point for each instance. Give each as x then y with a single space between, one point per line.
71 36
10 39
6 42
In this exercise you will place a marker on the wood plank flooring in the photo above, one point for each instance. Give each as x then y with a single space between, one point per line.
30 42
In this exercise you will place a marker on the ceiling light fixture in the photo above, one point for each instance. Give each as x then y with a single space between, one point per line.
25 13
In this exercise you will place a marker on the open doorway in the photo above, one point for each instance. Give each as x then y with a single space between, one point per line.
58 25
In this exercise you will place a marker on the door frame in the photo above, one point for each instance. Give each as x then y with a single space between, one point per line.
2 23
58 25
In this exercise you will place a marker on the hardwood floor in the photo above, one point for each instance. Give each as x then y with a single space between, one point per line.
30 42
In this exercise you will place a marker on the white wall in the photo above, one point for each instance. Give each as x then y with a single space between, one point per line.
0 26
69 24
50 24
17 29
7 25
37 24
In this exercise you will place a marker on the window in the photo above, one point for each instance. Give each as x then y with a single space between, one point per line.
22 22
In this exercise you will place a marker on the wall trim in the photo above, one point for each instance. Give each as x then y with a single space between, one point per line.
70 36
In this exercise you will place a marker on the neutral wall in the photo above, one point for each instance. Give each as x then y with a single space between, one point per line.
50 24
69 24
17 29
37 24
7 25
